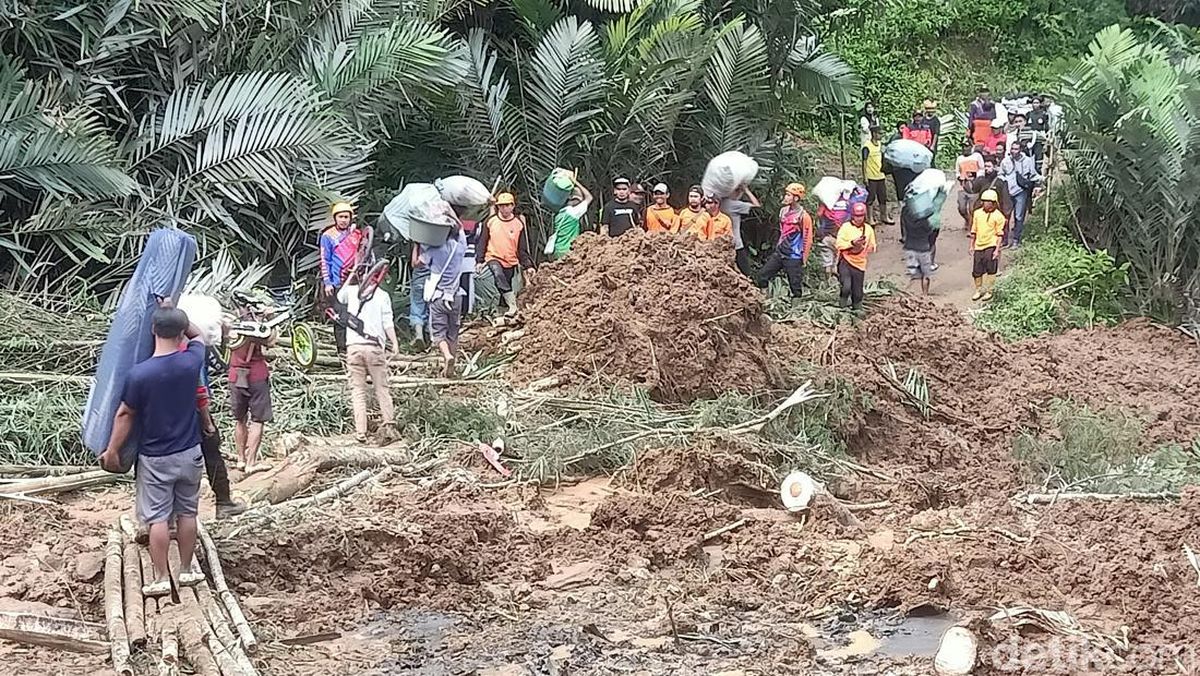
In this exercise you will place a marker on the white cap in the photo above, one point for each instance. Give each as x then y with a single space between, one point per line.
661 187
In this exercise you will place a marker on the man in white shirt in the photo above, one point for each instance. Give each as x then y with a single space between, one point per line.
370 328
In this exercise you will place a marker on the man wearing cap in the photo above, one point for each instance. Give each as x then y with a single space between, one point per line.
932 125
872 158
567 220
503 246
660 216
339 254
621 214
734 207
693 217
795 242
980 114
987 233
718 225
855 241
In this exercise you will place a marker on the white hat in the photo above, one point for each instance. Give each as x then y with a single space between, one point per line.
661 187
997 122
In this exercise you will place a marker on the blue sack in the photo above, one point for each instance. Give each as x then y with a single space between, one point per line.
161 272
908 154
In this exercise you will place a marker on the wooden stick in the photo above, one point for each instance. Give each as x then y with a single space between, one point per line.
249 643
195 648
220 626
1051 498
135 621
723 530
295 505
53 632
114 609
62 484
20 497
44 470
223 657
150 615
170 643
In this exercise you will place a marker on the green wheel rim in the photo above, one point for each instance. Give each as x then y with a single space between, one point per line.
304 346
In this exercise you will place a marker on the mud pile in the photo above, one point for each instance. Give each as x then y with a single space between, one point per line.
668 314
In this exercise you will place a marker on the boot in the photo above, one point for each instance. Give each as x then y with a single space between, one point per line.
989 282
978 289
418 334
229 508
510 299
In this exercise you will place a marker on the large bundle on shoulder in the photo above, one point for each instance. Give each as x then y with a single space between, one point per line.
908 154
462 191
727 172
926 194
418 214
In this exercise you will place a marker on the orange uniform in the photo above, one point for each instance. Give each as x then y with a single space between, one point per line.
719 225
504 241
845 243
693 222
660 219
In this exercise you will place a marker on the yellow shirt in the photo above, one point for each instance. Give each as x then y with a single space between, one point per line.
987 228
660 219
845 243
873 164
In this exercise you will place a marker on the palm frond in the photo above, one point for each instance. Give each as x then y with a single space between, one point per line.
80 161
612 6
222 275
822 77
737 87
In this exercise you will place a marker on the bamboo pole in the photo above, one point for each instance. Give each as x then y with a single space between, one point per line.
114 610
249 642
1051 498
53 632
62 484
135 621
221 627
195 649
170 644
44 470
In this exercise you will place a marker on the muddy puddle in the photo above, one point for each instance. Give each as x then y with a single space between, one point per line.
848 635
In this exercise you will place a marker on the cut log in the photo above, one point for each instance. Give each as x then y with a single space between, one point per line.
1051 498
221 627
217 575
170 644
151 613
299 471
264 514
53 632
135 613
114 605
62 484
195 648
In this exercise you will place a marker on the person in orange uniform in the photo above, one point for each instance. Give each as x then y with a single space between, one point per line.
660 216
693 217
718 224
855 241
795 242
502 247
987 231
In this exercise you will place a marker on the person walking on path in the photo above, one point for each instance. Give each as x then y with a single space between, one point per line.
418 311
621 214
250 399
968 167
987 232
931 123
567 221
444 295
855 242
795 243
872 158
919 249
502 247
980 114
1020 174
660 216
340 244
693 217
160 400
734 207
367 337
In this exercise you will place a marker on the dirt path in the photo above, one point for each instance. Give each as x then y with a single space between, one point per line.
952 284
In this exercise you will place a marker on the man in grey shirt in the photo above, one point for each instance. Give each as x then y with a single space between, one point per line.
735 208
1020 175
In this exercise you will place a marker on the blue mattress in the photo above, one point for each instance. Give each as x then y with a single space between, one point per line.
162 271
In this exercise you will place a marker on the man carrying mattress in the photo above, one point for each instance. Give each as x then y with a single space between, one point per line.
160 399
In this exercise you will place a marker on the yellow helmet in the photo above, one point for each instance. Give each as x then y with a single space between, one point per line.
505 198
989 196
339 207
795 190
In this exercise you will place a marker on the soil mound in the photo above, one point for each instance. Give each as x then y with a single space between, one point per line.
672 315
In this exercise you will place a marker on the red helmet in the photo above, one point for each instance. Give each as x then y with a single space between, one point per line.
859 209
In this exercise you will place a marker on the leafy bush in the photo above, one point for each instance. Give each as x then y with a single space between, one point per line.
1055 284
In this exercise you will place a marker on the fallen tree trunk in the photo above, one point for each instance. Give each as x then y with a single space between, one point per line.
217 574
268 512
300 470
135 622
1051 498
114 608
53 632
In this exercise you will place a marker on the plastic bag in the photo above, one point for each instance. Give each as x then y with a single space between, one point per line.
462 191
420 214
830 189
908 154
727 172
162 271
205 312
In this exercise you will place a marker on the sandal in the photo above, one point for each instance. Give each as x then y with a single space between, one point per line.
260 467
156 589
190 578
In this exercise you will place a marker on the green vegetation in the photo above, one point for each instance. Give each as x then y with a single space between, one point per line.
1102 451
1055 284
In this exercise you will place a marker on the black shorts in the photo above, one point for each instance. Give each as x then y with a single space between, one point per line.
253 402
502 275
876 191
985 262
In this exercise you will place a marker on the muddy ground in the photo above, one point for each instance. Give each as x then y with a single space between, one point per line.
612 575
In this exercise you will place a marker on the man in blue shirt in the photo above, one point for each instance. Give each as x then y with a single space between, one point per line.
160 397
445 296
